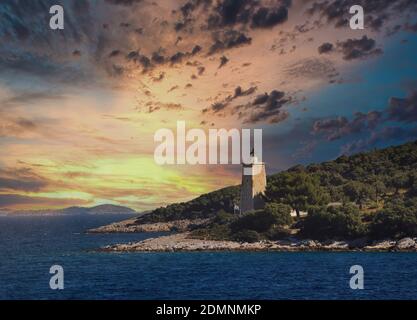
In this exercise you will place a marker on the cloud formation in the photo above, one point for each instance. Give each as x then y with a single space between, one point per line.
358 48
403 109
265 108
377 12
21 179
337 128
83 103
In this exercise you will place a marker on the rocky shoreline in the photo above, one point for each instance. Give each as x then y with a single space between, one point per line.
130 226
181 242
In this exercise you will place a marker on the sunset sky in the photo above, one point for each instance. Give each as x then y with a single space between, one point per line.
79 106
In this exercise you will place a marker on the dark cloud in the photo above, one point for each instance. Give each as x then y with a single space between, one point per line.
227 40
378 124
325 48
403 110
22 179
340 127
330 125
115 53
76 53
239 92
14 127
270 117
223 61
157 58
269 17
219 106
228 13
173 88
110 37
201 70
191 5
376 23
91 27
138 58
384 136
411 27
377 11
358 48
177 58
222 105
124 2
230 20
196 50
265 108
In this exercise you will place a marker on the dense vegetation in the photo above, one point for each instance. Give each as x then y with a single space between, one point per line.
373 194
205 206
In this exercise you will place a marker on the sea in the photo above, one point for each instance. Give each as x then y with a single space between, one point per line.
29 246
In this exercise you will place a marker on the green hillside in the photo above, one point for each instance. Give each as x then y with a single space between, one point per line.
374 195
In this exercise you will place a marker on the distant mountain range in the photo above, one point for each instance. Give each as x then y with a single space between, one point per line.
101 209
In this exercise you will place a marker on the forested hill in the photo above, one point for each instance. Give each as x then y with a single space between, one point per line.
367 179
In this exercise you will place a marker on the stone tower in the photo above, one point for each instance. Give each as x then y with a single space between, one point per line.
253 185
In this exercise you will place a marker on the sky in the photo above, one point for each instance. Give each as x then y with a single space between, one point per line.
79 107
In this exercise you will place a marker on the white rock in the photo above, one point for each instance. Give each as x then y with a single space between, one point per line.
405 243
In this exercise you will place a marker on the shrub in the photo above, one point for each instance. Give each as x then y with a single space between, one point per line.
280 212
333 222
224 217
214 232
297 189
259 221
247 236
397 220
278 233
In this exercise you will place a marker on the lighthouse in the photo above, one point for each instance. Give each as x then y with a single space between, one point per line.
253 185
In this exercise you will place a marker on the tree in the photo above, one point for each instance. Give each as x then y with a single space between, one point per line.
247 236
400 181
333 222
398 219
224 217
296 189
377 183
412 192
259 221
280 212
357 192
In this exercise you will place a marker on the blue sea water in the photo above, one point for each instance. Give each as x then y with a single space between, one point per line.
29 246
